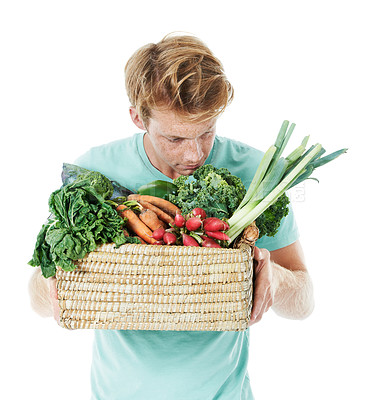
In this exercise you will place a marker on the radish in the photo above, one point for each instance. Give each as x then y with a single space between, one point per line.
169 238
199 212
189 240
193 223
217 235
207 220
179 220
215 224
159 242
158 233
210 243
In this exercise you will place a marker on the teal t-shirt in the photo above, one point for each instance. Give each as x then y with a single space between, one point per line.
174 365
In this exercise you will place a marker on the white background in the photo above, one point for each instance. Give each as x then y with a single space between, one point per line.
310 62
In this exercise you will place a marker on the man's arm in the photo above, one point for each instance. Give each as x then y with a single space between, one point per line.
282 282
43 295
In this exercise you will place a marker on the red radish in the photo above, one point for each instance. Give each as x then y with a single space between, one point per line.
215 224
199 212
189 240
217 235
193 223
160 242
179 220
206 220
209 219
169 238
158 233
210 243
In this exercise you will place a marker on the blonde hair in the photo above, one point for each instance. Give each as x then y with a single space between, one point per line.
181 74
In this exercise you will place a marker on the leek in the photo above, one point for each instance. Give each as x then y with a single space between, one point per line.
275 175
259 175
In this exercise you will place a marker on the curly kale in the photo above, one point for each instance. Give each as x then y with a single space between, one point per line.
270 220
215 190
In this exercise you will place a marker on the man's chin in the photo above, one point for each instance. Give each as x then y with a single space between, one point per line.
189 170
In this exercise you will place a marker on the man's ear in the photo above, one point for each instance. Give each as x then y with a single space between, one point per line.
136 118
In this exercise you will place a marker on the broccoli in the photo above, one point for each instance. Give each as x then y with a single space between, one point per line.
215 190
269 221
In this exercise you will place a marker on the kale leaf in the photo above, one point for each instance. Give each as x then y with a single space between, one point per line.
215 190
269 221
219 193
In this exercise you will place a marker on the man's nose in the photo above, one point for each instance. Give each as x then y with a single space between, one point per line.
193 151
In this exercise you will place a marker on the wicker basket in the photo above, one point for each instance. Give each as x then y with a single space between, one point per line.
145 287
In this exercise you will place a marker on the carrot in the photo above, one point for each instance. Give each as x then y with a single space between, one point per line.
163 204
141 240
135 224
160 213
150 218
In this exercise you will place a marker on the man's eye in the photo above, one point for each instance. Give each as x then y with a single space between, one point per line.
176 140
207 134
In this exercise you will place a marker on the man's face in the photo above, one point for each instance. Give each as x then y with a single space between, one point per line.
176 147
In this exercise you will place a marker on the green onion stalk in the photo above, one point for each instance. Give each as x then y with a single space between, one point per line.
275 175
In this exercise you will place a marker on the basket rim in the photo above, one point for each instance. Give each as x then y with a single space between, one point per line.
167 250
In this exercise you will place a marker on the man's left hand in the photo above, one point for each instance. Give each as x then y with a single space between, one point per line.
262 290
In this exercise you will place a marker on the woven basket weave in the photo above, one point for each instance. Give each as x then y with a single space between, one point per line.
145 287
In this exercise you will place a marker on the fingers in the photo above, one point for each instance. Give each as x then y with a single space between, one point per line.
262 291
257 314
262 301
53 288
261 257
54 299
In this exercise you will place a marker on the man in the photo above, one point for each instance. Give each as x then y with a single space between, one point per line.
177 90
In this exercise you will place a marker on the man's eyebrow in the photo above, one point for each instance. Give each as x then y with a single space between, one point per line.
172 136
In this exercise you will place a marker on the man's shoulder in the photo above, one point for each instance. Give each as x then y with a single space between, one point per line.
109 151
115 146
236 154
236 146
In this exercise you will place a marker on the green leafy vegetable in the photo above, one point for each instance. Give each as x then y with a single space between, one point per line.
269 221
80 219
215 190
71 173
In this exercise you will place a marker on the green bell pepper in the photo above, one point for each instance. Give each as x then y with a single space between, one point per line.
157 188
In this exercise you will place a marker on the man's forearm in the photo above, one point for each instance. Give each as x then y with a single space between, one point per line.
293 293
